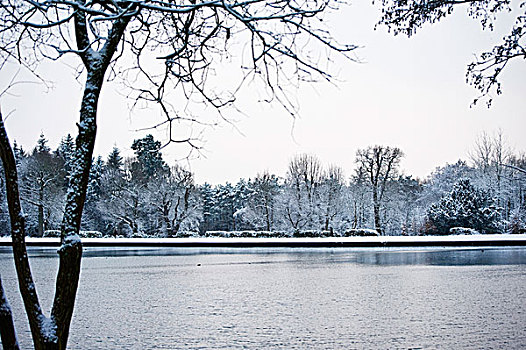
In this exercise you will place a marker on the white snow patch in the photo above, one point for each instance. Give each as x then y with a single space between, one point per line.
48 328
72 239
463 231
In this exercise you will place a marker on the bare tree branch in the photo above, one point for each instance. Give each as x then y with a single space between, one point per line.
406 17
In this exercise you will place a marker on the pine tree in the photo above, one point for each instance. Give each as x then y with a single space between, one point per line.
208 207
18 152
465 206
42 146
66 148
92 219
95 176
41 187
114 161
149 160
65 152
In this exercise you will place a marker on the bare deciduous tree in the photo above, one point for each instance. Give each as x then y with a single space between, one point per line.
124 39
266 188
491 154
173 202
333 185
378 165
304 177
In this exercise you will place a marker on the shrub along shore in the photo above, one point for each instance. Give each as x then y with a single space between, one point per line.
299 242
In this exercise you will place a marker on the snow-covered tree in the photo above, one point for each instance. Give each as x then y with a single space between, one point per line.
209 208
174 203
4 213
358 197
465 206
332 199
93 219
42 188
124 201
442 180
148 163
114 162
42 147
65 151
301 194
404 211
225 207
19 153
266 188
377 166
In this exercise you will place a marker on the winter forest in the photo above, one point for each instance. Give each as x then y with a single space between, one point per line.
143 196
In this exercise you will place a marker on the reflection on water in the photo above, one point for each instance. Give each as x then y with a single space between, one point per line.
230 298
372 256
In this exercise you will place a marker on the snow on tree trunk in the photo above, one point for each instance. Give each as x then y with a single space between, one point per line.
43 334
71 250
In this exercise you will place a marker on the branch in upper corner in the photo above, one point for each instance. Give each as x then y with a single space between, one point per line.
407 16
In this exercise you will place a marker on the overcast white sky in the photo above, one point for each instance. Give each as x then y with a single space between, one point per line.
409 93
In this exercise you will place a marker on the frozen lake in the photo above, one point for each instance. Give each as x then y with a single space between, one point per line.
288 298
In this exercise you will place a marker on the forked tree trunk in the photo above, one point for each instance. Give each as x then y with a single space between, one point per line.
47 332
53 332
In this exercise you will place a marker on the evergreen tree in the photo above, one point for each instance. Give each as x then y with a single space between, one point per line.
18 152
225 202
149 161
66 148
42 146
95 177
41 186
92 219
65 152
208 207
114 161
465 206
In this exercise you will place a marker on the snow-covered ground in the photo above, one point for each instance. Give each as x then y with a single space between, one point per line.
328 241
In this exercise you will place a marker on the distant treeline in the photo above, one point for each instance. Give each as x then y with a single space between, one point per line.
143 196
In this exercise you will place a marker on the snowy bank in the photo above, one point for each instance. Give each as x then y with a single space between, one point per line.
371 241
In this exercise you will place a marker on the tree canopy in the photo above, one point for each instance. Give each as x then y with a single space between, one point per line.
172 53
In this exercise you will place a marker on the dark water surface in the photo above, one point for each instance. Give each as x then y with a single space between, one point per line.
288 298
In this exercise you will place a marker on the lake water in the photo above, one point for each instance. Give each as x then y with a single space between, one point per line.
288 298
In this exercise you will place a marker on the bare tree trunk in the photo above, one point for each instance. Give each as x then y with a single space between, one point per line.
41 206
267 215
7 326
376 207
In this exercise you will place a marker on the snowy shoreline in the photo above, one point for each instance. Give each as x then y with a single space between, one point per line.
331 242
